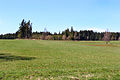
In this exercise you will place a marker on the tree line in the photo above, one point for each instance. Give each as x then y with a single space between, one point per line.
25 32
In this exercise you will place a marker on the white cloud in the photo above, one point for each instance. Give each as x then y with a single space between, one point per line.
97 29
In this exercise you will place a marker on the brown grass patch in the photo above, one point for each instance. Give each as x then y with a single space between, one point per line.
105 45
91 41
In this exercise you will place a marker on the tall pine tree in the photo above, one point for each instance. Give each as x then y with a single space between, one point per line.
25 30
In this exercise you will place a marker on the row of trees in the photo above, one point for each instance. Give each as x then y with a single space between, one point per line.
25 32
70 34
8 36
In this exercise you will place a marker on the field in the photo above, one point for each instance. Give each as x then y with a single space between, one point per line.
59 60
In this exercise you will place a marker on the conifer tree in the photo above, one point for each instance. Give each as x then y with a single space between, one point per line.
25 30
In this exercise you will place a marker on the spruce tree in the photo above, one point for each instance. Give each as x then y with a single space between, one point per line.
25 30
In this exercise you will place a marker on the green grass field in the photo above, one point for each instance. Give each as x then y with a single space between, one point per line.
59 60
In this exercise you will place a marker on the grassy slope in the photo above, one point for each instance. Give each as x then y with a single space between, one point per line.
58 60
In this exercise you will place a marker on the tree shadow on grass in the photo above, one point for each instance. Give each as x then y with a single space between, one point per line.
9 57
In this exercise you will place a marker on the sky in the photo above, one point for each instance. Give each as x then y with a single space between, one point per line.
57 15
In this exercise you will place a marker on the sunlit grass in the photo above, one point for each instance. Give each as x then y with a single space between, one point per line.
59 60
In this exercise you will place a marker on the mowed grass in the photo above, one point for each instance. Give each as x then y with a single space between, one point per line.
59 60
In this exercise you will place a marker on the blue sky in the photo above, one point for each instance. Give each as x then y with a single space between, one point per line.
57 15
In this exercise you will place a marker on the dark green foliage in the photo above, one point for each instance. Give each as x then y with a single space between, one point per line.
8 36
25 30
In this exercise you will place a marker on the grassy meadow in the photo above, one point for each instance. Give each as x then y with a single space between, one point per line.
59 60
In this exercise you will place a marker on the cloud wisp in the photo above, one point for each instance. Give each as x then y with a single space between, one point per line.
97 29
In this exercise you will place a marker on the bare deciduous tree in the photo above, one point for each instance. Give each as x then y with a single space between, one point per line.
44 34
49 37
69 37
119 38
106 37
63 37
